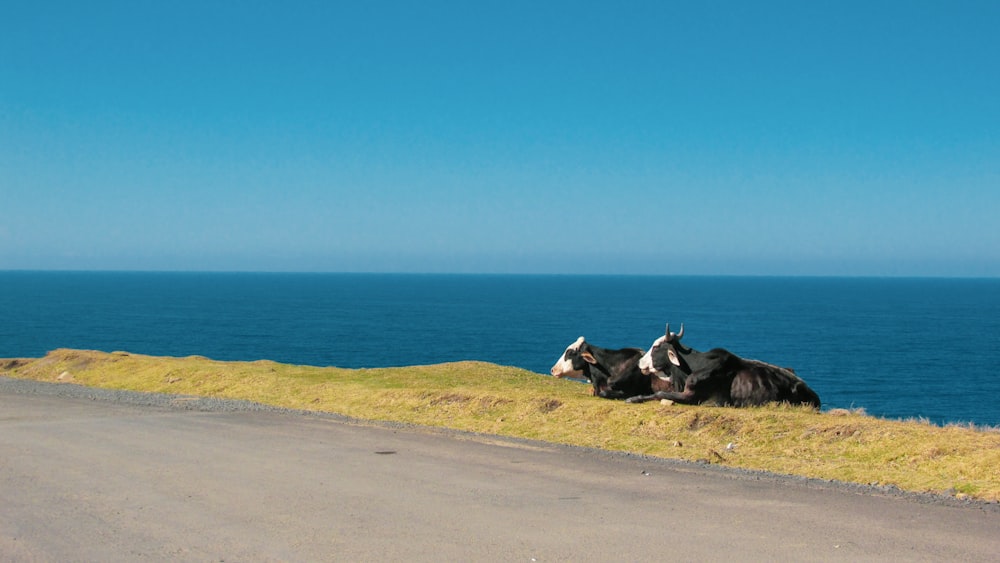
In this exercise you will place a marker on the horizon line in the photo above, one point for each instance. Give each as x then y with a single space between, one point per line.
492 274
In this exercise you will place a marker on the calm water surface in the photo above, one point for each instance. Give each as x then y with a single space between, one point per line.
898 348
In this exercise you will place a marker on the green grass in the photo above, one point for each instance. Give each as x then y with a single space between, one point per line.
842 445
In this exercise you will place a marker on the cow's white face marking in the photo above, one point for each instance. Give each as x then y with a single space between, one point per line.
564 366
646 361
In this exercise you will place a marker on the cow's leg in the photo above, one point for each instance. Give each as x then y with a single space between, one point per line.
698 388
688 397
611 394
641 398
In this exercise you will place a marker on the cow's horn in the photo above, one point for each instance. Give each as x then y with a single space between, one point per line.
677 336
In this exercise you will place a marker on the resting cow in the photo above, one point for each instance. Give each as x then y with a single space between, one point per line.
719 376
614 374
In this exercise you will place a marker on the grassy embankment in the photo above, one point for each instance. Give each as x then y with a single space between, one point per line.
481 397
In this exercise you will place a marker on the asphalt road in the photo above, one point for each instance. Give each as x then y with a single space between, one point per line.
89 480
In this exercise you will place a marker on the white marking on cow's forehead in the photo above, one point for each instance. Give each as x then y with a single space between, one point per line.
564 366
646 361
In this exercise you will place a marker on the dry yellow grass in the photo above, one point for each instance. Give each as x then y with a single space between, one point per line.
481 397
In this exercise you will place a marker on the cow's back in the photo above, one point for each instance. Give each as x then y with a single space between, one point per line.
759 383
627 380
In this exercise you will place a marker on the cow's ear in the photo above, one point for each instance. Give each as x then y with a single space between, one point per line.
588 357
672 356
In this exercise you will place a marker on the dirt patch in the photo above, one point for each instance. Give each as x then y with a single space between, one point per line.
451 399
549 405
14 363
840 432
700 420
488 403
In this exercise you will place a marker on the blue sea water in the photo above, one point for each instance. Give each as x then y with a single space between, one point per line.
899 348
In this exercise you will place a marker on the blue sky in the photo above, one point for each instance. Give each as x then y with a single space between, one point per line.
763 138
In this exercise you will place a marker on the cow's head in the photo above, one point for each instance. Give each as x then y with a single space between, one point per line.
662 354
574 360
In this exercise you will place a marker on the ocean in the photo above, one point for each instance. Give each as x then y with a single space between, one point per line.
897 347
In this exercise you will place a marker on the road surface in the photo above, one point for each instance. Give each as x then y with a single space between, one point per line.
92 480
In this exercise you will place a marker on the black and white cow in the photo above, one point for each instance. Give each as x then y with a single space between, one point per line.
719 376
614 374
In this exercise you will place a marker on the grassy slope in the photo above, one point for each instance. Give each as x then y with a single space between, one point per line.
482 397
